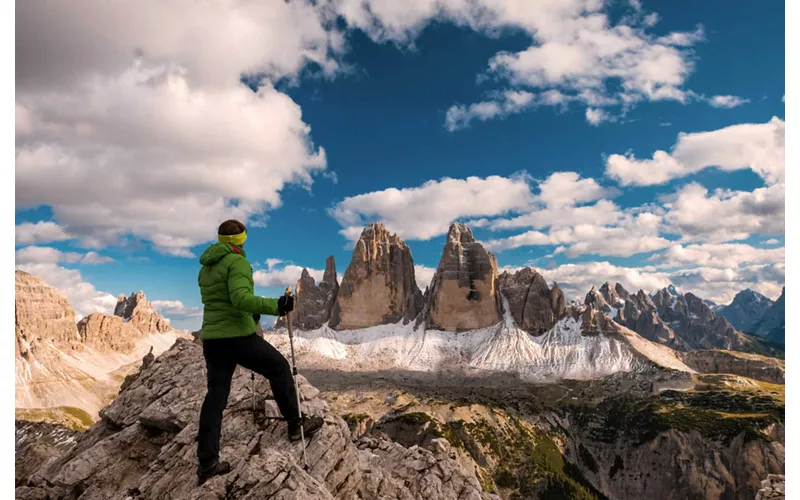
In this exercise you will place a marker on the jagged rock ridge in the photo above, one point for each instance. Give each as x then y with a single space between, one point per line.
464 291
140 313
154 421
681 321
378 286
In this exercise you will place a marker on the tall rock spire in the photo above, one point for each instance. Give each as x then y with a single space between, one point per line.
464 293
378 286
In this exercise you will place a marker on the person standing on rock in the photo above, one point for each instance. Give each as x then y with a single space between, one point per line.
230 313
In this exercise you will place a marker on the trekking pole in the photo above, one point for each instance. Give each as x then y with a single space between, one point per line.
294 376
253 387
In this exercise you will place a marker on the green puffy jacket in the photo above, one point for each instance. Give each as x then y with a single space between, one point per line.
226 287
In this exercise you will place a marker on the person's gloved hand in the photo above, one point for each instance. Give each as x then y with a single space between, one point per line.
257 318
285 304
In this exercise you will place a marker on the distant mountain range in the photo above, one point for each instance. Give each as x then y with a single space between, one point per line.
754 313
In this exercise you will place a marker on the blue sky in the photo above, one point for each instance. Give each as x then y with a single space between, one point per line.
122 179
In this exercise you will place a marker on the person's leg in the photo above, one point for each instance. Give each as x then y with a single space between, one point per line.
256 354
220 367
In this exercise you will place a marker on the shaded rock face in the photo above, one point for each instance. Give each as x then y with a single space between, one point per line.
534 307
41 314
378 286
313 303
144 447
737 363
36 444
464 292
746 310
772 325
140 313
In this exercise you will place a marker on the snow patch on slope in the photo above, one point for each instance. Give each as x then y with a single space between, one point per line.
564 352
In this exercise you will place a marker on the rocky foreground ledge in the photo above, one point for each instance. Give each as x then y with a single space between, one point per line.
143 448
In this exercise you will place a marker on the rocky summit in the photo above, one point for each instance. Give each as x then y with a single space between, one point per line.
144 447
378 286
140 313
464 292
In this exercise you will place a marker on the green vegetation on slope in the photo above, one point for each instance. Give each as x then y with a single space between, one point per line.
515 458
716 411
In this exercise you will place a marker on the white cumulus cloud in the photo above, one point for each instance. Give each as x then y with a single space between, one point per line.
83 296
29 233
36 254
757 146
426 211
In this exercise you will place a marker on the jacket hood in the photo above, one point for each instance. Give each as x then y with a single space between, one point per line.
217 251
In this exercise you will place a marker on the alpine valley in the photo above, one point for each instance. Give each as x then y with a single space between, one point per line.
483 385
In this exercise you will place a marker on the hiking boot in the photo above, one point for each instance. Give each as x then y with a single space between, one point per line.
310 427
215 469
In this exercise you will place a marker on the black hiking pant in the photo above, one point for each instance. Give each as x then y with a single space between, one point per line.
222 356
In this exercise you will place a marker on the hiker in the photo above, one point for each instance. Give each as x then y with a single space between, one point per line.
230 314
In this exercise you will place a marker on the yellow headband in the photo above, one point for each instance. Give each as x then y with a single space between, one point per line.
236 239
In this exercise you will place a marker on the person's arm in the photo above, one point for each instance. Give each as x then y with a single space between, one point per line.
241 295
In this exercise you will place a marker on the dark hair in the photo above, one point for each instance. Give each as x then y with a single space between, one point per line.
231 227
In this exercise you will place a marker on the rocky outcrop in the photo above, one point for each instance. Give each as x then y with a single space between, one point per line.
140 313
108 332
772 488
534 307
614 297
464 292
313 303
737 363
38 443
746 310
378 286
595 300
144 448
42 314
